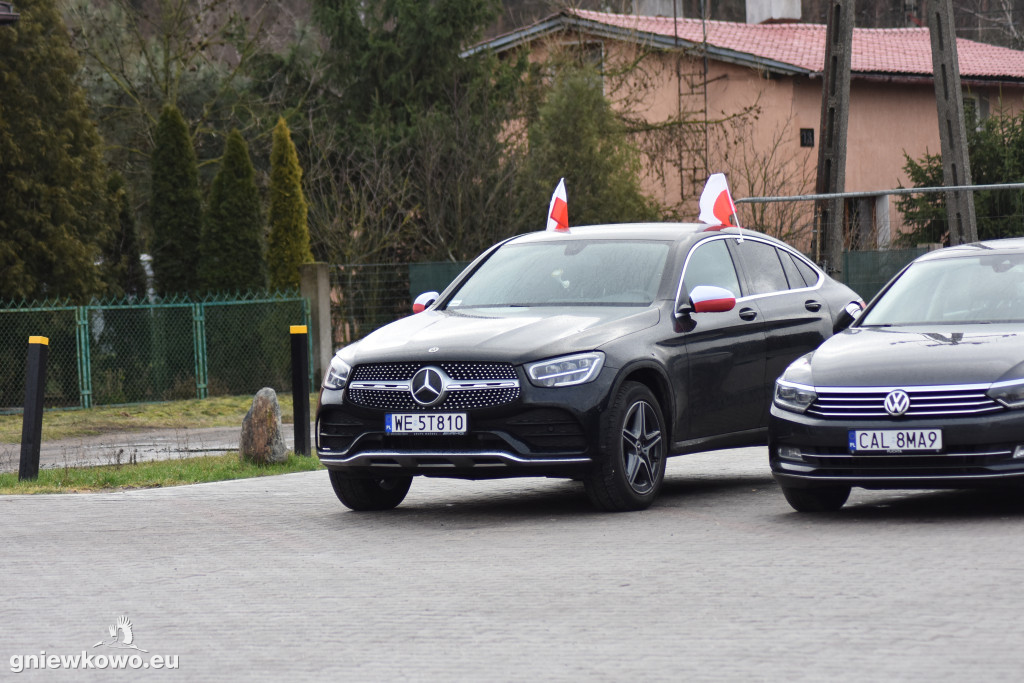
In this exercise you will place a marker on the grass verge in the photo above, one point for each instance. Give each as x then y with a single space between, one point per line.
154 474
220 411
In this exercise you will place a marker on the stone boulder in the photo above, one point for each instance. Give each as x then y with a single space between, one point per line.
262 440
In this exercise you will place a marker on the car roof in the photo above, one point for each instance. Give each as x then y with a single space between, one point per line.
671 232
1009 245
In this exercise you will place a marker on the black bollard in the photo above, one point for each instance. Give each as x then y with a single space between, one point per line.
32 417
300 388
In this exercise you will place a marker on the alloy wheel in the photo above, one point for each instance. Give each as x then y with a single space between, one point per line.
642 447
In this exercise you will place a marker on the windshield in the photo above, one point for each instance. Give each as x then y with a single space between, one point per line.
567 273
977 289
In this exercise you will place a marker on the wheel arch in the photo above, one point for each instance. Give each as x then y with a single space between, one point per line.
654 378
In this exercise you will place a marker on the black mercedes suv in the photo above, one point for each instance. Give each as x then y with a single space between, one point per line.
591 354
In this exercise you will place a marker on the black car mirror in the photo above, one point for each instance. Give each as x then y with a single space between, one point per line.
848 315
423 301
707 299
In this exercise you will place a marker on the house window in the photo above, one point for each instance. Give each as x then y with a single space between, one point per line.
591 54
976 109
587 53
807 137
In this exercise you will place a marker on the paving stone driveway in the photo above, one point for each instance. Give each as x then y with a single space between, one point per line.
272 579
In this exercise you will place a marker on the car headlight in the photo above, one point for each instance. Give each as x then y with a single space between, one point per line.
337 375
1010 394
795 389
566 371
795 397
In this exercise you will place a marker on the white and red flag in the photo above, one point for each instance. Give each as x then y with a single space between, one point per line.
716 206
558 210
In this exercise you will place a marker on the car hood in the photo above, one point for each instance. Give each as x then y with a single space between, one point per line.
514 335
920 356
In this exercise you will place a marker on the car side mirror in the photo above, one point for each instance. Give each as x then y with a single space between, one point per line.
423 301
848 315
708 299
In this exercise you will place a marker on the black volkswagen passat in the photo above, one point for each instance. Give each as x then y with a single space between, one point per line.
923 391
592 354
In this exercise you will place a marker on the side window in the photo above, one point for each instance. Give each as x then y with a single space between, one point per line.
796 280
711 264
811 276
763 267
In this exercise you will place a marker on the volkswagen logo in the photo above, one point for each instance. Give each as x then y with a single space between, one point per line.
428 386
897 402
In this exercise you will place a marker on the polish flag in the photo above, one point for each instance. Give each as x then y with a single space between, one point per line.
558 210
716 207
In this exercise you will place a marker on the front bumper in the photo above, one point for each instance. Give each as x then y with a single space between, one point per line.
977 452
545 432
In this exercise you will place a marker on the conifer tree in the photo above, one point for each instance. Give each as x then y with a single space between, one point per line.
288 241
579 137
52 175
231 249
122 269
175 206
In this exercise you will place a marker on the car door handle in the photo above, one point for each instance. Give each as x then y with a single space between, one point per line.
748 313
812 305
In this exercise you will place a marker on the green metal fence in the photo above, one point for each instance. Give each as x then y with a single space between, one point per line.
866 272
110 353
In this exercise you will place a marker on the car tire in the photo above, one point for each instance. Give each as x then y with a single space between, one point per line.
817 499
630 466
365 494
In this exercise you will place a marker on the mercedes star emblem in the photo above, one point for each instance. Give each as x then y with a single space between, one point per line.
427 386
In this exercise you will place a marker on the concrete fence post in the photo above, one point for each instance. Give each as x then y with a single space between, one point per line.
315 285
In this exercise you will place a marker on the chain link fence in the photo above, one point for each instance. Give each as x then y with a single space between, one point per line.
866 272
111 353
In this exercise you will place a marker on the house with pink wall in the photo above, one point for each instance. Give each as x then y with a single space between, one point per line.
745 99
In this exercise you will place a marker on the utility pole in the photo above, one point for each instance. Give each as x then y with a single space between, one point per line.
949 99
835 115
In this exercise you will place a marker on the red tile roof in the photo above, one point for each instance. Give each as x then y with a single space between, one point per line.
886 50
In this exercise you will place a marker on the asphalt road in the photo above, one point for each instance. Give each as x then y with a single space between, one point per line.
272 579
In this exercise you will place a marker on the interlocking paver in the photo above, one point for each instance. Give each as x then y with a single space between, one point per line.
510 580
